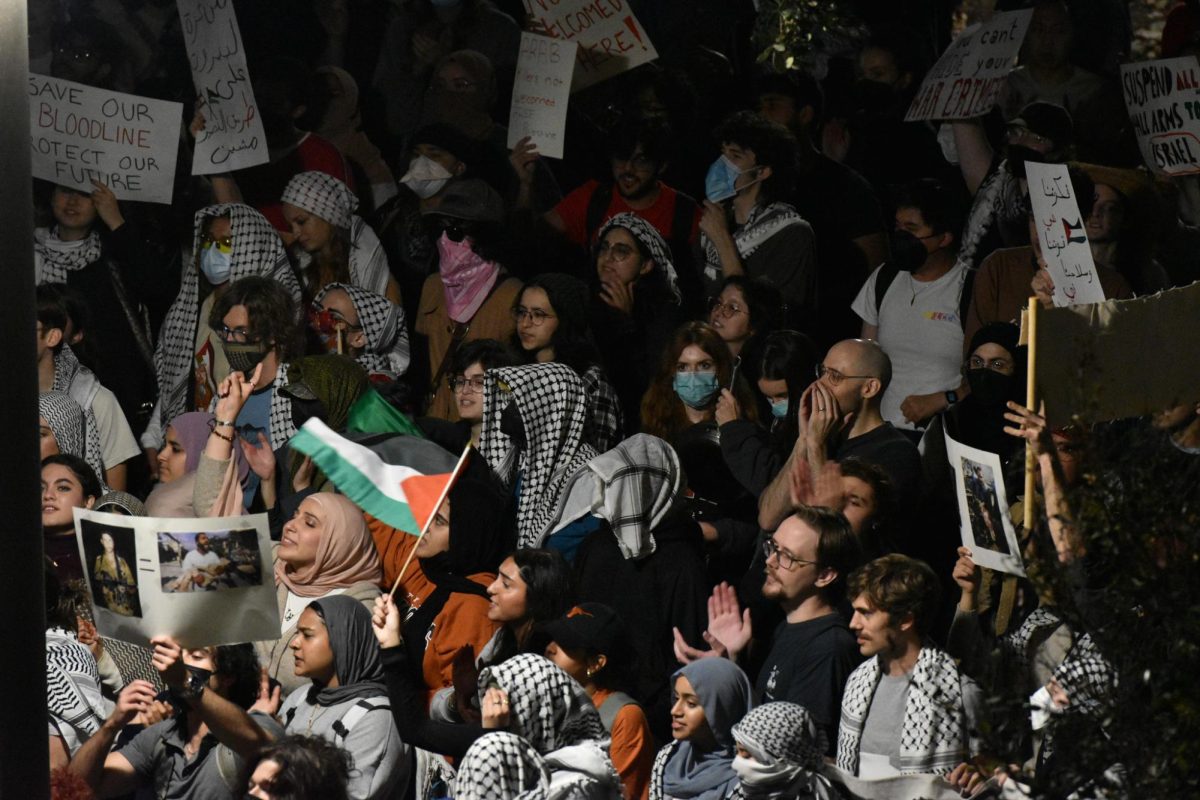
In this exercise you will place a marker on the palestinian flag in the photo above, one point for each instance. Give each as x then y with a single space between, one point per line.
400 494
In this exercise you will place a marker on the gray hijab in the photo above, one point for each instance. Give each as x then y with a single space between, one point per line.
724 692
355 652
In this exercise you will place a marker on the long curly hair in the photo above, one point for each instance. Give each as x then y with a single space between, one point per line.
663 412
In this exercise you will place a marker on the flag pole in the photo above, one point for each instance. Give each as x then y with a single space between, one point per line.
1031 404
436 507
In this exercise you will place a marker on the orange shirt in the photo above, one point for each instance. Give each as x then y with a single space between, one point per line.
632 749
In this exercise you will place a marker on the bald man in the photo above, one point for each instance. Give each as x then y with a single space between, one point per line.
840 418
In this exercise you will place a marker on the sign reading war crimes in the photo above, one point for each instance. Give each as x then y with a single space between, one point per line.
1062 235
202 581
1163 100
540 93
79 134
233 136
966 80
610 38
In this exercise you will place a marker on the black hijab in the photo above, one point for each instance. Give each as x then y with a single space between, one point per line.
355 652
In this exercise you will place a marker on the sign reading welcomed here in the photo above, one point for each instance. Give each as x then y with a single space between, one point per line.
540 93
966 80
1163 100
202 581
233 136
79 134
610 38
1062 235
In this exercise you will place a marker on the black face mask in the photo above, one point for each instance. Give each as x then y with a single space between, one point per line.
512 426
244 357
990 389
908 252
304 410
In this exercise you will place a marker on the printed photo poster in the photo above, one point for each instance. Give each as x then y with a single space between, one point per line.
1062 235
987 527
1163 100
609 36
203 581
79 134
540 93
967 79
233 136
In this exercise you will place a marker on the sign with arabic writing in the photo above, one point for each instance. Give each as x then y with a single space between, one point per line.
233 136
1062 235
79 134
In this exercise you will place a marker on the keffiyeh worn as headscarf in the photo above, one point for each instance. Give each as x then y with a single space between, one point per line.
504 765
547 707
72 432
553 410
115 502
321 194
337 381
54 258
81 384
383 326
786 749
638 483
257 250
355 652
345 555
683 770
653 241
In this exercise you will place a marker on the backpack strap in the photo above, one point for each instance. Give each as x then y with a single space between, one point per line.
356 712
964 299
594 217
887 274
612 706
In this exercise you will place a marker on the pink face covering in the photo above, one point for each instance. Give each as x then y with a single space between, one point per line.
466 277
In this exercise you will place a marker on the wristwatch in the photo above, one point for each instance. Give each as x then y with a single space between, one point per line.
193 687
951 397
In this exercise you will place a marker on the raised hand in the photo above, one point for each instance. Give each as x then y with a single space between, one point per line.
617 294
269 699
728 408
107 207
261 458
727 622
386 621
233 393
968 577
168 660
524 158
686 654
134 699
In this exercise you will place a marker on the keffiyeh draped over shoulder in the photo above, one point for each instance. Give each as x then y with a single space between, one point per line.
257 250
387 348
787 749
72 431
54 258
74 703
652 240
502 765
553 409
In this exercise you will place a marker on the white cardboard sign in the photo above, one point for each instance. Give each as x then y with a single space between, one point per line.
80 133
202 581
1163 100
987 527
966 80
1062 233
610 38
540 93
233 136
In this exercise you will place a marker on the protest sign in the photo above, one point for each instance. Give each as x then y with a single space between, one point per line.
79 134
233 136
202 581
1163 100
966 80
987 527
540 93
1119 358
610 38
1062 235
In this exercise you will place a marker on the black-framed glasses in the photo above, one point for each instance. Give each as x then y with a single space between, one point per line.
994 364
617 252
726 310
835 377
786 560
536 316
238 335
462 383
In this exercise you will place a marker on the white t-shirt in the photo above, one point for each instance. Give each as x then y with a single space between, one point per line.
117 444
920 330
197 560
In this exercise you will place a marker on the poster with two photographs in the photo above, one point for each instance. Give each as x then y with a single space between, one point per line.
202 581
987 527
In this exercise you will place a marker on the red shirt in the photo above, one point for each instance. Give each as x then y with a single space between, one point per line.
573 210
262 185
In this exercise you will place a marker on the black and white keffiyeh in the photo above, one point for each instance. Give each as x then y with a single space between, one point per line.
321 194
787 748
547 707
652 240
502 765
54 258
553 406
74 432
763 223
81 384
934 736
257 250
74 703
638 482
382 322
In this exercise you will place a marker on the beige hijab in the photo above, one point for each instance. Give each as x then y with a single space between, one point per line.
345 555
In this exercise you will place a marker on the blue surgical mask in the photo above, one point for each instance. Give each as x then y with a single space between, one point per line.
215 265
695 389
719 183
779 408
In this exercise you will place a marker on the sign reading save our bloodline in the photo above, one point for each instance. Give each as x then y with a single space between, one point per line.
79 134
610 38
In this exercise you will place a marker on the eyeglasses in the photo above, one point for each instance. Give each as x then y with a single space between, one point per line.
726 310
786 560
834 376
464 384
995 364
237 335
224 244
536 316
617 252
